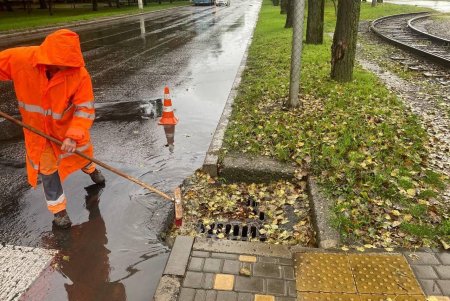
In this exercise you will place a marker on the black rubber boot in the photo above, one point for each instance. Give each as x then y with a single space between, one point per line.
97 177
62 220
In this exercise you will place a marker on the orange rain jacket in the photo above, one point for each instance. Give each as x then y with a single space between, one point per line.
62 107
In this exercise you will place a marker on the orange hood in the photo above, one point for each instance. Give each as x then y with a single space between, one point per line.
61 48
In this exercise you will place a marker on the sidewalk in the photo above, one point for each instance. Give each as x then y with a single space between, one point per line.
221 270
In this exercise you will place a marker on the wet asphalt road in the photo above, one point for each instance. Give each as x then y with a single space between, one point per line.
114 248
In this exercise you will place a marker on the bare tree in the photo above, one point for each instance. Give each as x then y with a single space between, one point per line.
344 40
42 4
7 5
95 5
283 6
314 29
289 15
374 3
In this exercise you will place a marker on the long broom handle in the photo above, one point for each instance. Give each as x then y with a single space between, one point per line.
104 165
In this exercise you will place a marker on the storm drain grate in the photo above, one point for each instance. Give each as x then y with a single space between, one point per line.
237 230
233 230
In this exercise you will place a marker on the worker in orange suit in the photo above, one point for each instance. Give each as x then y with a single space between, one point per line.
54 93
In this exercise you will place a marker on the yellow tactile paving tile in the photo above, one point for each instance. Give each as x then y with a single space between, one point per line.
438 298
246 258
264 298
391 297
224 282
327 297
324 272
383 274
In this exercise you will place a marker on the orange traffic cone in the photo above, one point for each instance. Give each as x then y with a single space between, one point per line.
168 117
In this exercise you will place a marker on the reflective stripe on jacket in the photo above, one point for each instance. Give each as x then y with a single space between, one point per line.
62 107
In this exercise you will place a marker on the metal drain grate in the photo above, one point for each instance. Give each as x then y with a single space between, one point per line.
233 230
238 230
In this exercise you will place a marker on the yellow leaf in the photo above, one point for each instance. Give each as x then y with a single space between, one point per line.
220 235
360 249
396 212
407 217
344 248
389 249
411 192
445 245
369 246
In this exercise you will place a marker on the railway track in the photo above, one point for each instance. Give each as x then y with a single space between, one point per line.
399 30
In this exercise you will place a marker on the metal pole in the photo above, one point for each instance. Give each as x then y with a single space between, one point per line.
296 56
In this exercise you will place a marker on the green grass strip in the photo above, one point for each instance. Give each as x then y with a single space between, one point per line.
364 146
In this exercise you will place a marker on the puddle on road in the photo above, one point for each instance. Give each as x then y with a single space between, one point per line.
113 251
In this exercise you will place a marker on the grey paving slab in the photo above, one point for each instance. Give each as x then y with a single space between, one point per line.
430 287
187 294
179 257
444 285
444 257
291 288
231 267
19 268
241 247
213 265
424 272
208 281
285 261
267 259
224 255
288 272
200 295
211 295
200 254
196 264
226 296
245 297
193 280
269 270
421 258
275 287
249 284
443 271
285 299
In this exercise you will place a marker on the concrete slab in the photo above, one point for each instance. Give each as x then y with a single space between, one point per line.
179 257
238 167
241 247
19 268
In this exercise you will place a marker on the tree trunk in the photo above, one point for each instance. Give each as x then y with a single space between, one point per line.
50 8
276 2
8 5
380 1
374 3
117 3
314 29
42 4
283 6
290 14
94 5
344 40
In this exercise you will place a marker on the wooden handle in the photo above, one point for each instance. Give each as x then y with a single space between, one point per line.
104 165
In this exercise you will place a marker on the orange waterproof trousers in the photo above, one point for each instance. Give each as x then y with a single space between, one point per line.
48 168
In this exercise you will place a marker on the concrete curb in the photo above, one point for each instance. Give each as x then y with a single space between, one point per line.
241 247
212 155
326 236
238 167
14 33
170 283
